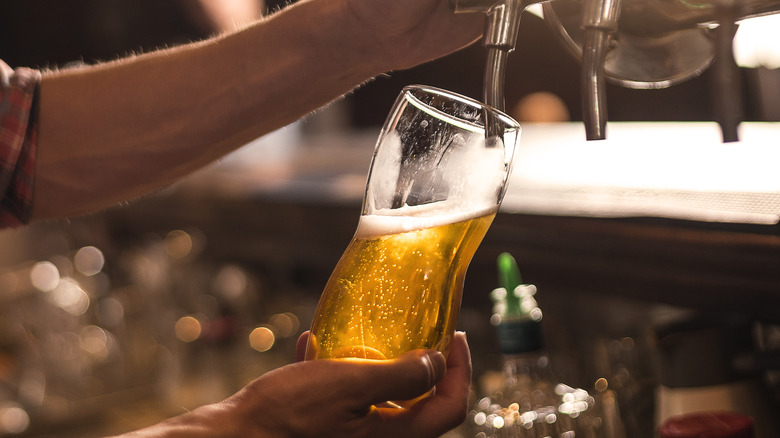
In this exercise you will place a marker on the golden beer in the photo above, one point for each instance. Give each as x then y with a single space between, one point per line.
397 286
436 181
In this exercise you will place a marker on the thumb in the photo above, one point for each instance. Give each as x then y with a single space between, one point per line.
300 346
406 377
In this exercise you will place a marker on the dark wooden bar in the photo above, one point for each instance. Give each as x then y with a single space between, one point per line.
713 267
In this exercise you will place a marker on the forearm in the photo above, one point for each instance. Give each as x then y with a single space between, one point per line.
113 132
210 421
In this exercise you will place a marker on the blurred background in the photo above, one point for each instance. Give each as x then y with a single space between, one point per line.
641 247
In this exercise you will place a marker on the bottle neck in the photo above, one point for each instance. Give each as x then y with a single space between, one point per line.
519 336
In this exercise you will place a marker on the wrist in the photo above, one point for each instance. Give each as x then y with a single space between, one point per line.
207 421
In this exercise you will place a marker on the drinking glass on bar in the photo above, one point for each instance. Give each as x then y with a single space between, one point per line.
435 184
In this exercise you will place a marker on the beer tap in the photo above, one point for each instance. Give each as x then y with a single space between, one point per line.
655 44
501 29
640 44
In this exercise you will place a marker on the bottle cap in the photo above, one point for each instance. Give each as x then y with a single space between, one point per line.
708 425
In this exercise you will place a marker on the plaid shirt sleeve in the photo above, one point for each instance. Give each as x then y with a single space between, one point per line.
18 134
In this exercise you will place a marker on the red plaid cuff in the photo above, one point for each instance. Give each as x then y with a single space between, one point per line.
18 139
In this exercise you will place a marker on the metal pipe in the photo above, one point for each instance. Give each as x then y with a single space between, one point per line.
493 89
495 78
728 97
501 30
599 19
594 100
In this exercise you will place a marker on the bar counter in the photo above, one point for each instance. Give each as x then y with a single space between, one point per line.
660 213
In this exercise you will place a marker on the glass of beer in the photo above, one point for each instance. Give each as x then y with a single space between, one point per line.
436 181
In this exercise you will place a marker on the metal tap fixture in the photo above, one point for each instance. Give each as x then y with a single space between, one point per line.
639 44
599 22
501 29
500 38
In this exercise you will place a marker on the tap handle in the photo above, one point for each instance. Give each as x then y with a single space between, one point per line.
601 14
503 19
503 25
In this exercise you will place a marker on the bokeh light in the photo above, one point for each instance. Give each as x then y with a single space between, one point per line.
97 342
69 296
286 324
178 244
262 338
89 260
13 419
45 276
601 384
188 329
230 282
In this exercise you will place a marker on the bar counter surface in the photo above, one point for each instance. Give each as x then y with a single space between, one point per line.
660 212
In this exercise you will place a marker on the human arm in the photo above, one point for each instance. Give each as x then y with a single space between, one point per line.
112 132
336 398
215 16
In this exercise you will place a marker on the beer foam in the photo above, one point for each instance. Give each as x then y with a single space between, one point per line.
481 171
385 168
411 218
470 171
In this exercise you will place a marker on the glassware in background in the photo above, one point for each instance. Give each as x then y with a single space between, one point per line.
704 365
527 400
436 182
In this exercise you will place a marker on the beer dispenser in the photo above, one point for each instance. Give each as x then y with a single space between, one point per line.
640 44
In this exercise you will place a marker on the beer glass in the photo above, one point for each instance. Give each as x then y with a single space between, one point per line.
435 183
